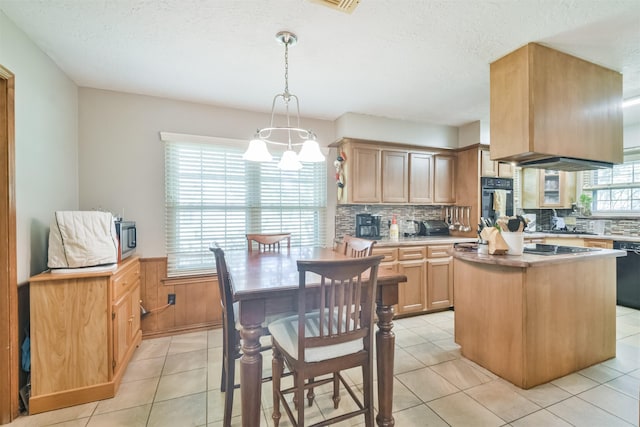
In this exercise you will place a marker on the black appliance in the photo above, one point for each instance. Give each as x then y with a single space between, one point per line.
542 249
434 227
489 187
628 274
368 226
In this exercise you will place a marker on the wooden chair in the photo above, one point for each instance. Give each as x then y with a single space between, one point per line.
321 342
355 247
231 341
268 242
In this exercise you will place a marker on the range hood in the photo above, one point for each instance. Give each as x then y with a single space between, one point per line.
551 110
565 164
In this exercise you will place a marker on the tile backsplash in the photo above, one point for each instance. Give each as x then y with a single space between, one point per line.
346 216
611 226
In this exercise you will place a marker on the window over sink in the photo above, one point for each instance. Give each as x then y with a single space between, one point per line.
616 190
212 194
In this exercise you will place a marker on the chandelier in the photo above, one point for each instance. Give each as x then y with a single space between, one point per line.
288 136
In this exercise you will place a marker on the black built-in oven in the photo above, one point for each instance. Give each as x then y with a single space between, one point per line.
488 187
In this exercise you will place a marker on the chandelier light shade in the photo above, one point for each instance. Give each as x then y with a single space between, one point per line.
289 136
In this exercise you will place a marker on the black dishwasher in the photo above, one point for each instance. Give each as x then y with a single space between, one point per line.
628 274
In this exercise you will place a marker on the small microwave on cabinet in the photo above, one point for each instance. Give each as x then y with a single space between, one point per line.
126 231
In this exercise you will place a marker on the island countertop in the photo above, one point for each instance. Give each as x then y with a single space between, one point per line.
532 260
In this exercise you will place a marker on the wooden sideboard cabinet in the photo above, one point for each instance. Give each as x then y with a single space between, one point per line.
84 330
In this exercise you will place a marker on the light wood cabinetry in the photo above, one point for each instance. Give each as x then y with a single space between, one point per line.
412 295
598 243
543 188
364 179
420 178
429 274
444 177
378 173
587 242
490 167
439 277
539 103
84 330
395 176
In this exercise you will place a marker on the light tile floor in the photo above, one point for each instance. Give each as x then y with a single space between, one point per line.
174 381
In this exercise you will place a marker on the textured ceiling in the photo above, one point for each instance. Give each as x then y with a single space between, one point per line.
418 60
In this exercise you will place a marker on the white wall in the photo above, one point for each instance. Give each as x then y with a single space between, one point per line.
46 129
632 136
362 126
121 156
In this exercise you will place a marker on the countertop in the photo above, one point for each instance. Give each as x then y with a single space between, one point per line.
423 240
531 260
617 238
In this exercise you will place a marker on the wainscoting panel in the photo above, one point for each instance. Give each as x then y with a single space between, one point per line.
197 304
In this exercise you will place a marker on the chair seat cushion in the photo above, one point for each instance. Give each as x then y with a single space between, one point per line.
285 332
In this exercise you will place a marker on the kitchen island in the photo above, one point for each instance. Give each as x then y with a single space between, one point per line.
531 318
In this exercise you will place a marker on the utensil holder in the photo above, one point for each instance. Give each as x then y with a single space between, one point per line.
515 241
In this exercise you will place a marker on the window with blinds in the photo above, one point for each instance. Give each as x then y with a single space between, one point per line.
616 190
211 194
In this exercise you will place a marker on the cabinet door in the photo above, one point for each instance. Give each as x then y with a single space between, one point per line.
121 330
420 178
487 166
598 243
444 172
505 170
551 183
439 283
395 173
365 179
411 295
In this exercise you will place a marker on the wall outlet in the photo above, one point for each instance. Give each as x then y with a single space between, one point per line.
171 299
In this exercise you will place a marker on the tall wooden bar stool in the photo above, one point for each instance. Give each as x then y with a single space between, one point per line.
355 247
268 242
231 341
318 343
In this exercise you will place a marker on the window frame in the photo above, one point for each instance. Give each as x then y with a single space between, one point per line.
261 205
631 158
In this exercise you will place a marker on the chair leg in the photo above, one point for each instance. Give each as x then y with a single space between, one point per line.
295 395
225 356
277 367
367 388
230 367
336 390
299 395
310 394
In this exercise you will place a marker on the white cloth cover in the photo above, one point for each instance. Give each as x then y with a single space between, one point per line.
82 239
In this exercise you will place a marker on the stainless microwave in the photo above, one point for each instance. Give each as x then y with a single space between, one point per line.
127 238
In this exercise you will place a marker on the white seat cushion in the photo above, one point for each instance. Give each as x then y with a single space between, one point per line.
285 331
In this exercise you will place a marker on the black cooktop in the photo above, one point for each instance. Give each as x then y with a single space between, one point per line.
542 249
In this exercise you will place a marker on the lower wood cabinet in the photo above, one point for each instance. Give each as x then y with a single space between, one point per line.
84 330
439 277
429 271
412 294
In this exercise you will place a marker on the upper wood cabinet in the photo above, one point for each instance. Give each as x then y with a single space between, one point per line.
364 177
546 103
381 174
490 167
542 188
420 178
395 176
444 178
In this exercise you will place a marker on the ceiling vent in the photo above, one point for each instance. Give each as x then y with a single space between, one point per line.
347 6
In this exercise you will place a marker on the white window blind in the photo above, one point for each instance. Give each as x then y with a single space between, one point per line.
211 194
616 190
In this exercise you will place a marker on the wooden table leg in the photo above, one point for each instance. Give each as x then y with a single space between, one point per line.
385 342
251 362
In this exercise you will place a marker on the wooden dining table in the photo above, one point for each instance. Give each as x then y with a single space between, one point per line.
267 283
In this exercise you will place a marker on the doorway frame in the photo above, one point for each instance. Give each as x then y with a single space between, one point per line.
9 405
